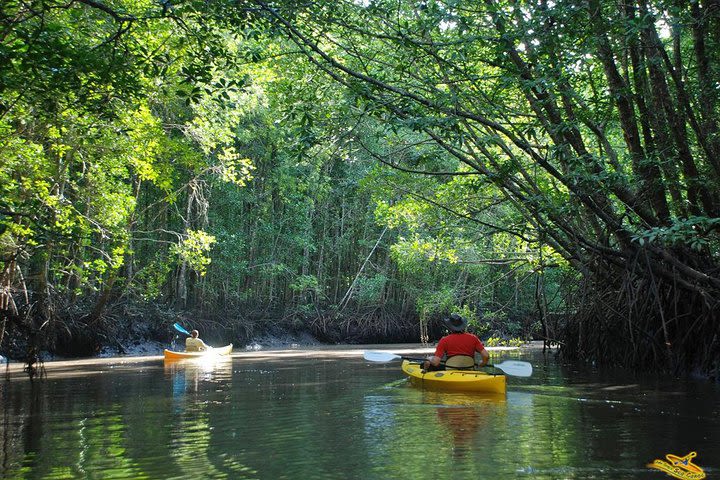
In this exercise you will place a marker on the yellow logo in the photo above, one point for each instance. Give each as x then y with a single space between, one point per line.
679 467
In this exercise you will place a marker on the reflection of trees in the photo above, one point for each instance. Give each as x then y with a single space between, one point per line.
90 443
545 426
12 434
380 424
103 446
191 442
191 430
301 418
114 426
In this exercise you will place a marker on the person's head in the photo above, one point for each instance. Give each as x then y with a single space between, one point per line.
455 323
194 334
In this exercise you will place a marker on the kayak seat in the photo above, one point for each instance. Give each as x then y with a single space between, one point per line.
460 362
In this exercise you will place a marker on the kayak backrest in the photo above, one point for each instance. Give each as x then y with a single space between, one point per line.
460 361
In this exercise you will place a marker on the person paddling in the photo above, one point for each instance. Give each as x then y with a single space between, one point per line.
458 347
194 344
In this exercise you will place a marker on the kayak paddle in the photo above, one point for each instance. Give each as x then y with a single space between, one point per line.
514 367
511 367
384 357
180 329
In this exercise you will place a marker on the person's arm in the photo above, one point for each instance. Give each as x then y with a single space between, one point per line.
485 357
434 361
437 357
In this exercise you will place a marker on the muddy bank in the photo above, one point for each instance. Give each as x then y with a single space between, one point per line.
142 329
147 330
60 368
137 330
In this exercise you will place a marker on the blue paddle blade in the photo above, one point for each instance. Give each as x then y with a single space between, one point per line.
180 329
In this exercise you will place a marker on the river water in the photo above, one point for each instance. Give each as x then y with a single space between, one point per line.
328 414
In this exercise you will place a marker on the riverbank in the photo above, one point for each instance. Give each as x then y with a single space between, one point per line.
59 368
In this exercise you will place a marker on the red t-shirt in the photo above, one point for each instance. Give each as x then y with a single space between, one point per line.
458 344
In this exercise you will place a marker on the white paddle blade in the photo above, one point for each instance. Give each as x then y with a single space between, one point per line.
382 357
515 367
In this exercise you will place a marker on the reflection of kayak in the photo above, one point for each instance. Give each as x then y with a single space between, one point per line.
170 355
454 380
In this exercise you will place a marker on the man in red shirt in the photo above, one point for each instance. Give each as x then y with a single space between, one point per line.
458 342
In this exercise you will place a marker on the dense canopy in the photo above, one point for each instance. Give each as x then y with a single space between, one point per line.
357 169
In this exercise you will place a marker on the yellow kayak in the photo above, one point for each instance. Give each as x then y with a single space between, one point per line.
454 380
170 355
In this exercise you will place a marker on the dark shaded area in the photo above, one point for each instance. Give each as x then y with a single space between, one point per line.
74 337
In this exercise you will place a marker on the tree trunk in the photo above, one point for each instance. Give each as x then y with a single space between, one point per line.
707 94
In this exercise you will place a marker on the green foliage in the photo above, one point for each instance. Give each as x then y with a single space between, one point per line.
304 283
152 278
97 147
696 232
434 303
370 289
473 159
234 169
193 249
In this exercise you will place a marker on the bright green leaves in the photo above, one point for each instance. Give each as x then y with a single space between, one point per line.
416 250
96 146
145 138
370 289
234 169
193 248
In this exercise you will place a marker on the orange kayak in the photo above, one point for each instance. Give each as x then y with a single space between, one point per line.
213 352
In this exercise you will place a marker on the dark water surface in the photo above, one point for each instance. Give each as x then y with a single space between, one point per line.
330 415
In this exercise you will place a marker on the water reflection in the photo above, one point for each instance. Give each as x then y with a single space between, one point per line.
403 422
197 386
310 418
193 375
464 416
